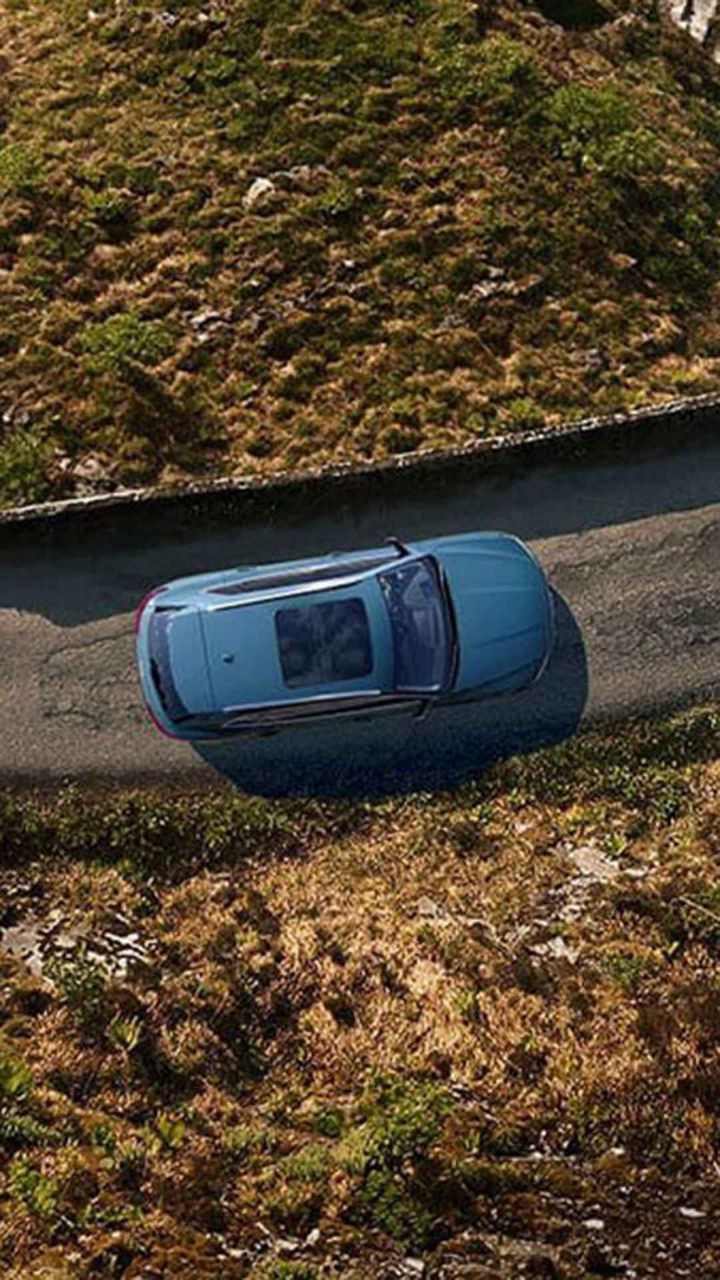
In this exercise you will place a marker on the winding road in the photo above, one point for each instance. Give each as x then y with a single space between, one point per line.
632 550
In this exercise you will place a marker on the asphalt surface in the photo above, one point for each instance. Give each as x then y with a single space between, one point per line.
632 551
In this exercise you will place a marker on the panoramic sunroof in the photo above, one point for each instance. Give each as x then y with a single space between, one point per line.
323 643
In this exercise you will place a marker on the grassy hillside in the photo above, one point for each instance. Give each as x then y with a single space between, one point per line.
480 1030
473 217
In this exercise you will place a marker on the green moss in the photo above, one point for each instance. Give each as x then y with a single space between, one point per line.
125 337
500 73
241 1141
282 1269
523 414
25 459
598 129
83 985
330 1121
110 209
15 1079
36 1192
629 969
21 172
147 834
404 1119
311 1163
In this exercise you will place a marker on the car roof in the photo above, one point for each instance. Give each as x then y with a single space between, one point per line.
242 649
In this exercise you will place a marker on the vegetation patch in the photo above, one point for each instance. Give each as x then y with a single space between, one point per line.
259 1039
279 236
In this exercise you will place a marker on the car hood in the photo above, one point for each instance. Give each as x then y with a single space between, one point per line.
502 608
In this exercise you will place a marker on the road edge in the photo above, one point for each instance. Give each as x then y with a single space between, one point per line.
671 425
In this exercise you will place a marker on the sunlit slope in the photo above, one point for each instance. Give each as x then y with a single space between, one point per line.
241 237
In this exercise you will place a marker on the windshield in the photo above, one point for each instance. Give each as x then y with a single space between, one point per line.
422 638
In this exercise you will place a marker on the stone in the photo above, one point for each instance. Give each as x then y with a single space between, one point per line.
90 468
592 865
555 949
413 1267
431 910
204 317
622 261
287 1246
259 190
698 18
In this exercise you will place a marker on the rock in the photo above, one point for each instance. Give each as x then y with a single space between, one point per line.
207 316
90 468
592 865
622 261
699 19
431 910
207 322
486 290
312 1238
555 949
594 1224
287 1247
413 1267
690 1213
260 189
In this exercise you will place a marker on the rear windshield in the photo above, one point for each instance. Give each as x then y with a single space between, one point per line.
160 667
323 643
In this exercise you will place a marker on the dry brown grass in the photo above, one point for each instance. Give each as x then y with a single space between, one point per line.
495 1012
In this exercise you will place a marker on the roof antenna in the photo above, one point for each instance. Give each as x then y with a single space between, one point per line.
399 546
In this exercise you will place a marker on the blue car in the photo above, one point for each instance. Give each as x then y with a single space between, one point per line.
394 630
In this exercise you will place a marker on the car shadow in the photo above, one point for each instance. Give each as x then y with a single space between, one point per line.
451 746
